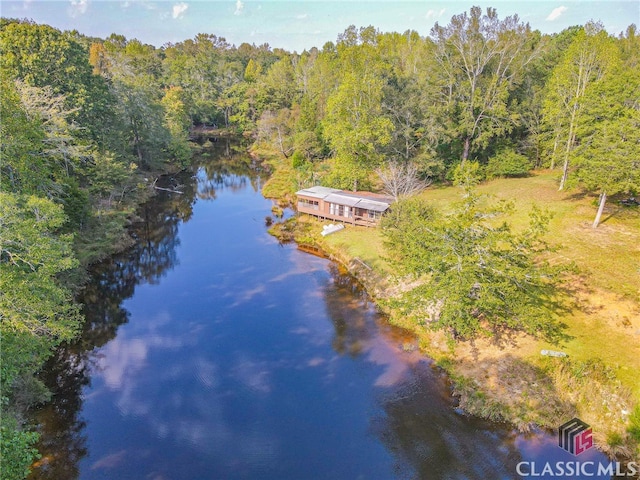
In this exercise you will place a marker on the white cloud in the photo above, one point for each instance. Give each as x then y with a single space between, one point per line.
302 16
239 7
556 13
179 9
149 5
434 14
78 7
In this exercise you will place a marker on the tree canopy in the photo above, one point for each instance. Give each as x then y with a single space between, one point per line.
88 122
476 277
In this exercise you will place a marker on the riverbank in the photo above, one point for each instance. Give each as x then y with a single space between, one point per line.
513 382
306 379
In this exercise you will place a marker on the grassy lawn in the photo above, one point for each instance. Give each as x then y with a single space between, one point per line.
608 256
363 243
605 324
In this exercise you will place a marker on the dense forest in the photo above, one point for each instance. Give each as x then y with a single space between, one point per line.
88 124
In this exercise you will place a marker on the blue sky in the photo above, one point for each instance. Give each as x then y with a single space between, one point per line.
297 25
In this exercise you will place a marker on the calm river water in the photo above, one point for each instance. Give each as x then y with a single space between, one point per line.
213 352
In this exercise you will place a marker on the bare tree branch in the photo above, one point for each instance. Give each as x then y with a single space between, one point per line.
401 180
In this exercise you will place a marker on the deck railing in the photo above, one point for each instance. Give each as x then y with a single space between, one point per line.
307 206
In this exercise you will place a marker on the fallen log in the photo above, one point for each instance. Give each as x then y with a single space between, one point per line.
168 190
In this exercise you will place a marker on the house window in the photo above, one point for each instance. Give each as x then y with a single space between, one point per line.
336 209
308 204
373 215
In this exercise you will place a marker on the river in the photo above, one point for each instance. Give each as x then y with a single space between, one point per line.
211 351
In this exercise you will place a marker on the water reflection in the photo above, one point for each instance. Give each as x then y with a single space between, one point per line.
155 230
230 171
212 352
347 306
423 433
416 421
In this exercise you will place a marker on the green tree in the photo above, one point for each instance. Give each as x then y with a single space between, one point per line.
111 178
22 168
41 56
178 122
240 107
203 67
356 127
143 118
36 312
608 158
480 61
408 94
31 255
507 163
477 276
252 71
278 87
531 135
585 62
61 144
16 451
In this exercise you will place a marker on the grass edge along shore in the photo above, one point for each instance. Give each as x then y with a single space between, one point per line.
596 382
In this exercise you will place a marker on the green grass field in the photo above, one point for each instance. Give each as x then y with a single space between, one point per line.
606 323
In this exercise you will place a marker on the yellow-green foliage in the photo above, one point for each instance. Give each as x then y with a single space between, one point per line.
604 357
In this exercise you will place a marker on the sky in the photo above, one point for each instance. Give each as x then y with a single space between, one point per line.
302 24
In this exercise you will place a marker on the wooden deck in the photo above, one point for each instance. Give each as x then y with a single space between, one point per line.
358 220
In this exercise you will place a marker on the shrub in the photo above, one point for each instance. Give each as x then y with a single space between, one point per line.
298 161
508 163
466 174
16 451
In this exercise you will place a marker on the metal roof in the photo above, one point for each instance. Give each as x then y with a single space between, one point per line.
372 205
349 199
317 191
341 199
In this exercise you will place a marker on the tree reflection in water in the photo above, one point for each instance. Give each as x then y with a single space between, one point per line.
346 303
416 420
229 172
419 428
114 280
337 380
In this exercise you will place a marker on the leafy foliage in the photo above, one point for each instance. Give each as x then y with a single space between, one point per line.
608 158
477 277
16 451
484 59
36 312
86 122
355 127
31 255
585 62
507 163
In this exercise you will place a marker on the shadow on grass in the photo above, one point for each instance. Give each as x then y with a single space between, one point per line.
621 212
511 389
549 307
579 195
